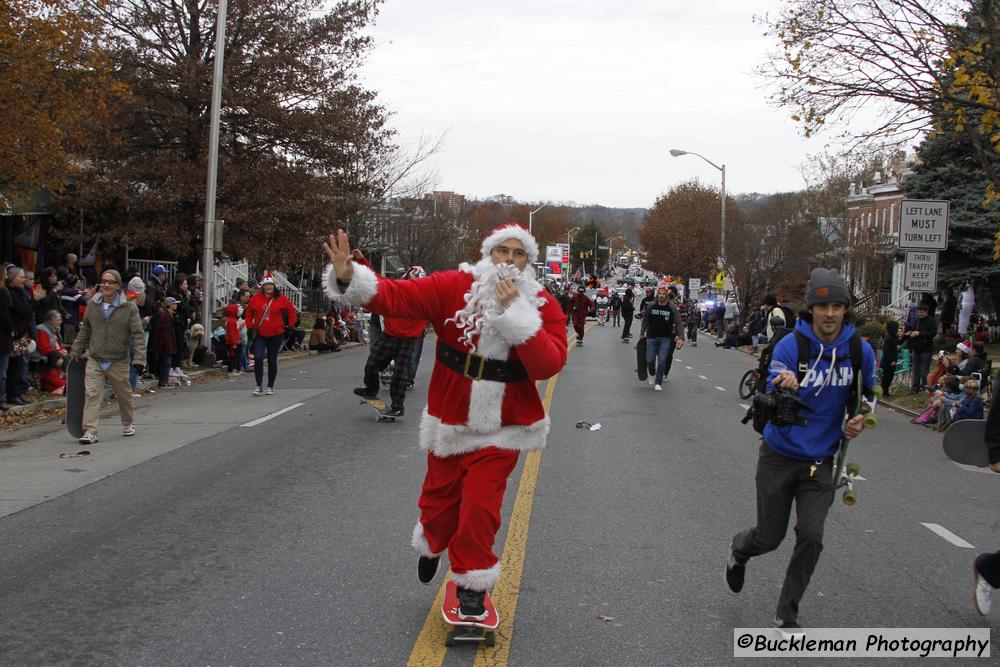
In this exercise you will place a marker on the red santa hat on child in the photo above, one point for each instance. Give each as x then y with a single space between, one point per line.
511 230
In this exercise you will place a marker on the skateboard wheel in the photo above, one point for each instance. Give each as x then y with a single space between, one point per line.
491 638
850 498
871 421
853 469
877 391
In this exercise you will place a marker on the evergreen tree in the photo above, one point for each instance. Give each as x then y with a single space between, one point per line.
949 170
586 245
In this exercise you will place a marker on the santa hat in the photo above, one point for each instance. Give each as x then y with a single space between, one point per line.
511 230
268 277
964 347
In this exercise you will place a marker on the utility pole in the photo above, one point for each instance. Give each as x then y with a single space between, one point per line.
213 172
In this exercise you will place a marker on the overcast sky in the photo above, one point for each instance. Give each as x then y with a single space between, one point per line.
580 100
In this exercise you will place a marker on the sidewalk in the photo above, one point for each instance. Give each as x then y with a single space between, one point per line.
40 461
148 386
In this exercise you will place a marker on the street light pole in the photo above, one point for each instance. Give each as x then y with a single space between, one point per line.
722 249
213 170
532 214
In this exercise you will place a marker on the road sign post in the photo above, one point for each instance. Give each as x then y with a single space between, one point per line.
923 224
920 271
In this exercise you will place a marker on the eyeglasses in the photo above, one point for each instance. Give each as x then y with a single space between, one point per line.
109 282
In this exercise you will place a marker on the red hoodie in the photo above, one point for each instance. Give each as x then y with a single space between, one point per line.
281 314
232 313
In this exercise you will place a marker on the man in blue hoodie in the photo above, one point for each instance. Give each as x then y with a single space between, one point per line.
796 462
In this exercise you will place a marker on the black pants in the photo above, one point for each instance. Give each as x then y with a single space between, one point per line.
627 321
989 567
384 349
887 374
670 357
268 346
692 331
921 367
780 481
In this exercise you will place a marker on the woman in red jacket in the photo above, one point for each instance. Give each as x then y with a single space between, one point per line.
268 314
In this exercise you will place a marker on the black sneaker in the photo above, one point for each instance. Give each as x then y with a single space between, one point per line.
470 604
427 568
365 394
735 574
395 413
409 385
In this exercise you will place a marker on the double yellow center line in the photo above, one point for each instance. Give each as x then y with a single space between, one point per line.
429 649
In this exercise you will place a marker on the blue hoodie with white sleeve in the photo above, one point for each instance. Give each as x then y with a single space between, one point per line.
825 387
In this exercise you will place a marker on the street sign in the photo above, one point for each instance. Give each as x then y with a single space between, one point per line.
694 284
923 224
920 271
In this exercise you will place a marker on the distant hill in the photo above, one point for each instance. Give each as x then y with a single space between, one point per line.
628 221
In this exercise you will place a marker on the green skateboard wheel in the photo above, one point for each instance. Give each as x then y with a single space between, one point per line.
850 498
871 421
853 469
877 391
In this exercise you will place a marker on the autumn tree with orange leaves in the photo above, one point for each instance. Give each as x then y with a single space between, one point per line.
55 92
681 233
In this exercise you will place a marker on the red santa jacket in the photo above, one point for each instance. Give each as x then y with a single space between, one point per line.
464 415
398 327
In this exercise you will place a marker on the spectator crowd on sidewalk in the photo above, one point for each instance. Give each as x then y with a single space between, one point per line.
40 316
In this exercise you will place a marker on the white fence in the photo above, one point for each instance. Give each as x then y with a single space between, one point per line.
226 273
145 267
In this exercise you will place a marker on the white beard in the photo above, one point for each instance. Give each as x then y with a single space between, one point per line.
482 305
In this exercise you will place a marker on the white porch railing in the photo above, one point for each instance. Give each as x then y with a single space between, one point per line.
226 273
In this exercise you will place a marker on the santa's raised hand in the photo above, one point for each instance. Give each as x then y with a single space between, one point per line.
338 251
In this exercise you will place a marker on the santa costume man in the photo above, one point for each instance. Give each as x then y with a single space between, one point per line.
579 308
499 332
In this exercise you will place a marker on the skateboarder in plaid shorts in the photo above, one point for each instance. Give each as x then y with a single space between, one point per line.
499 332
396 344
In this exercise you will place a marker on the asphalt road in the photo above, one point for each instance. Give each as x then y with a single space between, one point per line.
204 542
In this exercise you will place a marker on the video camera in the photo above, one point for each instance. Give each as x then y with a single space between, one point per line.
781 408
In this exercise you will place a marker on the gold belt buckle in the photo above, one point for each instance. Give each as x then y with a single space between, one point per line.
482 366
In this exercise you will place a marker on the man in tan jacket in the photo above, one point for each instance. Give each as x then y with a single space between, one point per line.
111 324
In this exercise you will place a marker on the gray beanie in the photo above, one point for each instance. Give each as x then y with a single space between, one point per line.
826 286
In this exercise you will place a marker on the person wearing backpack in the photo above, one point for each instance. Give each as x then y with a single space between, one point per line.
818 363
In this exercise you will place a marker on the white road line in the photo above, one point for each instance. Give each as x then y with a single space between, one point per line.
948 535
703 377
744 406
689 368
720 388
676 359
263 419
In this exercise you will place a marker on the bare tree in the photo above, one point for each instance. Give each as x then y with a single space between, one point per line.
914 63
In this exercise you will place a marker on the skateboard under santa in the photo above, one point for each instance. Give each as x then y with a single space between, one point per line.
640 360
378 405
465 630
76 395
845 473
965 442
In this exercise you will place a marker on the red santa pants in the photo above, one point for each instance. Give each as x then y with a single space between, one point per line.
460 508
579 323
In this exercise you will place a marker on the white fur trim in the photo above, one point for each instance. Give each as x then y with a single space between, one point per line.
363 285
453 439
511 231
519 322
419 542
478 580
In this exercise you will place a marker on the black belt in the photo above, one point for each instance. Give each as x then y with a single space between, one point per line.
477 367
